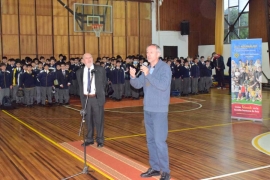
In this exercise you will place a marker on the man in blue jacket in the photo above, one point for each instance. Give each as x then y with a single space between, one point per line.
46 79
155 80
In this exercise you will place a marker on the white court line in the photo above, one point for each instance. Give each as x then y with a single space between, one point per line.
136 112
239 172
191 98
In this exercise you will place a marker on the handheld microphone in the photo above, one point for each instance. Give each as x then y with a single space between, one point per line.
144 64
93 71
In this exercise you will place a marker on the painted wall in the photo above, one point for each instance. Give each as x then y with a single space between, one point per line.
168 38
207 50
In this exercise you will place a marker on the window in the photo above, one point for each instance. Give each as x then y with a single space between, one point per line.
235 25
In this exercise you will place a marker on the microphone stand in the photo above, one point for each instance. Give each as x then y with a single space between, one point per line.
83 114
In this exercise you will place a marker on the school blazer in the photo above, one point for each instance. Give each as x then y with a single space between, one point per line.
100 82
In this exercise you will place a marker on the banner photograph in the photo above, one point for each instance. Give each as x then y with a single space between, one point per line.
246 74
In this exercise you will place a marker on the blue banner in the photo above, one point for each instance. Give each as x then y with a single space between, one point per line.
246 78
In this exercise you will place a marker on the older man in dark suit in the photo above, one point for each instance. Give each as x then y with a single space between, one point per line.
92 82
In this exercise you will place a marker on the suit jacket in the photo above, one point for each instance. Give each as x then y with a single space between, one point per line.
100 82
219 62
64 80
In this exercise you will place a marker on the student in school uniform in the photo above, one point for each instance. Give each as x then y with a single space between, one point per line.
208 76
28 83
64 81
178 76
201 64
117 81
186 79
56 86
37 84
172 70
46 79
75 87
52 67
15 77
195 75
127 79
4 60
11 65
135 92
5 82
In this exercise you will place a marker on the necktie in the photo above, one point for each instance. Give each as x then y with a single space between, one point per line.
63 73
89 81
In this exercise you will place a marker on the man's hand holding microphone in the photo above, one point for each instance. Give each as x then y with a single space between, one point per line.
143 69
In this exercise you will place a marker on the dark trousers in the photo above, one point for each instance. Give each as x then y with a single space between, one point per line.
94 119
220 77
127 88
156 126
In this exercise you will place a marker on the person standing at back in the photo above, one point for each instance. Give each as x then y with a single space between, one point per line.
219 66
155 81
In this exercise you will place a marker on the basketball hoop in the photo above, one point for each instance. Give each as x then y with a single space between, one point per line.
97 28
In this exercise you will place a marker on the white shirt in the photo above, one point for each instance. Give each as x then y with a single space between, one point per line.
85 81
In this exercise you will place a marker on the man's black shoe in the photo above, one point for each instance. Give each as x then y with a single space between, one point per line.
165 176
87 143
150 172
99 145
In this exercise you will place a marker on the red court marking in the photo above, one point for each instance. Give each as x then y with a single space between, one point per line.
110 104
110 162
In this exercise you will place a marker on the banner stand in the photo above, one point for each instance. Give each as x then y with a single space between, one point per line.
246 79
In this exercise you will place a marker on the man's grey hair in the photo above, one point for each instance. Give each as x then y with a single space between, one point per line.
157 47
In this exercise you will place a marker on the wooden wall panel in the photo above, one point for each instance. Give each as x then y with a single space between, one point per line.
91 42
76 44
11 45
132 24
257 20
10 33
44 7
60 45
60 25
44 44
145 27
201 17
27 7
44 25
58 9
27 24
9 6
133 45
119 28
48 29
10 24
119 44
105 42
28 44
119 10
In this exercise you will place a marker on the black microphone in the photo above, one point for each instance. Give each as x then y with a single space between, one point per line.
93 71
144 64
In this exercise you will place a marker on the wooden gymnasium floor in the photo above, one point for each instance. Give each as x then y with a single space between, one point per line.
203 140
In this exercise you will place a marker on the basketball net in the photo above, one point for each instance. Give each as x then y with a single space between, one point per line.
97 28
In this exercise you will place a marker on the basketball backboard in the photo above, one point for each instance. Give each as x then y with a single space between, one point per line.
85 15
